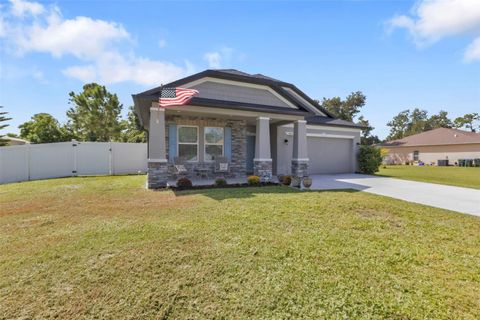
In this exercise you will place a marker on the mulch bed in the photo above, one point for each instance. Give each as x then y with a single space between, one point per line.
228 186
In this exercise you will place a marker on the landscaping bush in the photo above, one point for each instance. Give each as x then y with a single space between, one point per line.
220 182
184 183
369 159
253 180
287 180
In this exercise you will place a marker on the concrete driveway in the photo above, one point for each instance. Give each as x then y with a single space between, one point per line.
464 200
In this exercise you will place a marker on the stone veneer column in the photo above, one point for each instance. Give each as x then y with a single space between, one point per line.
300 154
157 174
263 160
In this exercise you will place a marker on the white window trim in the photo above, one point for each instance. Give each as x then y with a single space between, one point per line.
205 143
191 143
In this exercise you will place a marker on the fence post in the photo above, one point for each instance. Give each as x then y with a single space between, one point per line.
29 160
75 160
110 149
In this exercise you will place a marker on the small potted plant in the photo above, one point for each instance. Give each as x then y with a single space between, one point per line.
296 181
307 182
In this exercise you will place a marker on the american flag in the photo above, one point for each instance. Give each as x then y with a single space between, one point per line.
175 96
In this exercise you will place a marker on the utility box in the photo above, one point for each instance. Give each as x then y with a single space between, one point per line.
442 163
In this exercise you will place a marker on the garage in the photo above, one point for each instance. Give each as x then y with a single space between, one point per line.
329 155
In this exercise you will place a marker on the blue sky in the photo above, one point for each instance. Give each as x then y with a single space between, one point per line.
401 55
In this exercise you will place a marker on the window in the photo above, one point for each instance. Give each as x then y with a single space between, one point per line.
213 143
415 155
188 143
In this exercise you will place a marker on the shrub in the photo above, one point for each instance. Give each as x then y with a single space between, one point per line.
220 182
369 159
253 180
287 180
184 183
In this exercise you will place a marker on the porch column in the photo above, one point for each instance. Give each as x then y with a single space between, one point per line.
300 153
157 160
263 160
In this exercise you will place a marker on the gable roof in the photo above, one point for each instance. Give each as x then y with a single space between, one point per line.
439 136
306 105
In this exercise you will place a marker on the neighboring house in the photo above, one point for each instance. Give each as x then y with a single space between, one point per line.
15 141
431 146
262 125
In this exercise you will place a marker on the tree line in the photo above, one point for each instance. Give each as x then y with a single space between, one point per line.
406 123
95 115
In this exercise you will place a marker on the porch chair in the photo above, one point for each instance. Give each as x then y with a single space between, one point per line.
179 166
222 165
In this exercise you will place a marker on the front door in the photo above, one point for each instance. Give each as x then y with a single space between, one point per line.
250 153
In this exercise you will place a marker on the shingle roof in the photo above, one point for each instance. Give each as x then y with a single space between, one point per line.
143 99
440 136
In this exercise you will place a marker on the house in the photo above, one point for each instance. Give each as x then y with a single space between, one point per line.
431 146
12 141
262 125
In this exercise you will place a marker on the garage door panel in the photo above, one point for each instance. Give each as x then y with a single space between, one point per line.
329 155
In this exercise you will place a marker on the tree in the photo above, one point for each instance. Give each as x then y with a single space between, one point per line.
3 125
399 125
418 122
95 115
440 120
345 109
132 130
43 128
367 138
468 121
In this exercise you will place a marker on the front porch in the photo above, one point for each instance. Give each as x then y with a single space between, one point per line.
200 135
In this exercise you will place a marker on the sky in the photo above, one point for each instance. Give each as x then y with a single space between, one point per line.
400 54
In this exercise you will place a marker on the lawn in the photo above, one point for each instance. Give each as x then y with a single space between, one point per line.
455 176
104 247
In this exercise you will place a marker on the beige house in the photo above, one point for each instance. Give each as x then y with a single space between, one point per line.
431 146
12 141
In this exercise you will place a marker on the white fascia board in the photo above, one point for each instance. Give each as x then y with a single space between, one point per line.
327 135
328 128
305 102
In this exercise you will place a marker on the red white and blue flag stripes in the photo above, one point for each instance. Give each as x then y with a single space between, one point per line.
175 96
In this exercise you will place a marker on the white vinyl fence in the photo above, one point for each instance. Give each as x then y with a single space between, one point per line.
63 159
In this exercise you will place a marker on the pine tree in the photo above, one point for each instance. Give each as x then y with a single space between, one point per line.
3 125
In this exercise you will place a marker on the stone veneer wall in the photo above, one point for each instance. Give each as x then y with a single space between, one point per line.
263 169
299 168
157 175
239 146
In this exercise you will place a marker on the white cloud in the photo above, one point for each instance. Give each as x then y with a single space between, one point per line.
221 58
104 47
432 20
81 37
213 59
114 68
22 8
162 43
473 51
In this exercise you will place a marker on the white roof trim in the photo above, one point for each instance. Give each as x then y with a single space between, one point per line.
305 102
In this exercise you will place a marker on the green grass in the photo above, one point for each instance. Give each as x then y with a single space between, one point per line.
105 247
454 176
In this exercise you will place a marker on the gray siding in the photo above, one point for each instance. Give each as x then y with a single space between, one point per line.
221 91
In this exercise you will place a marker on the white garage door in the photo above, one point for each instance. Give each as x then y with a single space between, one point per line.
329 155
